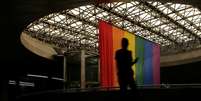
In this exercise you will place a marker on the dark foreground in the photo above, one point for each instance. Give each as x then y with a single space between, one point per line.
162 94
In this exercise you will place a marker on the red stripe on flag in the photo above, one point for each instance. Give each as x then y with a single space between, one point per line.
106 54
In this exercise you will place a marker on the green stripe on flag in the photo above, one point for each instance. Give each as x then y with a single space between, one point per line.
139 64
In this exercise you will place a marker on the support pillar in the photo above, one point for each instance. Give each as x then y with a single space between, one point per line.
65 71
99 70
83 71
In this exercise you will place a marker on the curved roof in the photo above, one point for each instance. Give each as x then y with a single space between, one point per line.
176 27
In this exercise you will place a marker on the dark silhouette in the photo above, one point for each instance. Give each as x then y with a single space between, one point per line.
124 65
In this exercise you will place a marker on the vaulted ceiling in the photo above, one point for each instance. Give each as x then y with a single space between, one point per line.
176 27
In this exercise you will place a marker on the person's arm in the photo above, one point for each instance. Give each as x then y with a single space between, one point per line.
133 62
136 59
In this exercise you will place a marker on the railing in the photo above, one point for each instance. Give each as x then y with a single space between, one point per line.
159 86
106 89
176 88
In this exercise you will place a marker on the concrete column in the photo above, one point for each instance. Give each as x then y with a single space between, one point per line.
98 69
65 71
83 72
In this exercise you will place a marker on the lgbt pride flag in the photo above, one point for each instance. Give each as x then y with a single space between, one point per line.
146 70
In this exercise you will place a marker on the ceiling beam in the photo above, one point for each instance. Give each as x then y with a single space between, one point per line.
69 29
177 13
135 22
80 19
170 19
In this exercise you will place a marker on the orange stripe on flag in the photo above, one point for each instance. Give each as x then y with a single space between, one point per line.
117 37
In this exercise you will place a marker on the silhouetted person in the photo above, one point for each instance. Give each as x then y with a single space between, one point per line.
124 65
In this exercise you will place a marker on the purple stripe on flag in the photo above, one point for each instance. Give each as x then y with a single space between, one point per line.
156 64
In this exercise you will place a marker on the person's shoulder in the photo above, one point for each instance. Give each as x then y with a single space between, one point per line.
119 50
129 51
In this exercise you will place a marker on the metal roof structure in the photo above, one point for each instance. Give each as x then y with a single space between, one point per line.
176 27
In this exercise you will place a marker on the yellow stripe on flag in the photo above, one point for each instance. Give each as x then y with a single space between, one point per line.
131 47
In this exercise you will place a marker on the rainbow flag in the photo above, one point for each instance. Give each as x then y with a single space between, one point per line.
146 70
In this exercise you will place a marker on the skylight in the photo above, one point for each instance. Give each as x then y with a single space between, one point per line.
164 23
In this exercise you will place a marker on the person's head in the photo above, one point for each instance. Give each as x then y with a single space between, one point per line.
124 43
